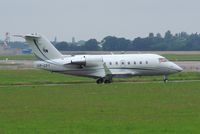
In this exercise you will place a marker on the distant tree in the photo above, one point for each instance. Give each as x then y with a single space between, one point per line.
111 43
193 42
91 45
151 35
168 36
158 44
158 35
62 46
141 44
183 35
178 41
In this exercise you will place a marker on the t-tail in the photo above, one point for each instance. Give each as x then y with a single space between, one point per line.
42 48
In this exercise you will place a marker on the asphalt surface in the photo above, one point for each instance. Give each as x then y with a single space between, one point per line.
189 65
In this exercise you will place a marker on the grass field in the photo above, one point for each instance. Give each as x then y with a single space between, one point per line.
182 57
29 77
87 108
172 57
18 57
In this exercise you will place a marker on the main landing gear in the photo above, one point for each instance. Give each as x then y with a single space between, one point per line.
103 80
100 81
165 78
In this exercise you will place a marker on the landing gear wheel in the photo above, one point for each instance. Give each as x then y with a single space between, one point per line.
100 81
165 78
107 81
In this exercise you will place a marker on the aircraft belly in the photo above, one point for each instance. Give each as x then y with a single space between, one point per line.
135 72
122 72
87 72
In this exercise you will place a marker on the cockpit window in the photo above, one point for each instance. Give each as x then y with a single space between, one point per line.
163 60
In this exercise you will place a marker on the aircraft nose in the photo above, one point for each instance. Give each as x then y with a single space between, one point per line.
175 68
178 68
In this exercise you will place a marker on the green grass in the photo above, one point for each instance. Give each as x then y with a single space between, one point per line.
18 57
29 77
153 108
182 57
88 108
21 77
174 77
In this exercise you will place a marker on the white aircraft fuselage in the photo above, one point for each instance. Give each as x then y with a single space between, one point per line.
101 67
119 65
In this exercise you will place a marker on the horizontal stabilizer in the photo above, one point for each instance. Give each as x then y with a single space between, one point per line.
33 36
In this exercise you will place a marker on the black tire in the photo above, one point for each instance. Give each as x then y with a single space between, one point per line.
107 81
99 81
166 80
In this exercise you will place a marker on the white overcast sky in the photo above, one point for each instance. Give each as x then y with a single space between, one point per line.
85 19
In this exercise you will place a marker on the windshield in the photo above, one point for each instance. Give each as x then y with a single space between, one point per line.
162 60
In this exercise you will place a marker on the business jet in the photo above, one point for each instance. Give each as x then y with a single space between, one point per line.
101 67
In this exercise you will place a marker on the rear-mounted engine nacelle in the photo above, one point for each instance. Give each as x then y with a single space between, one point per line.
88 61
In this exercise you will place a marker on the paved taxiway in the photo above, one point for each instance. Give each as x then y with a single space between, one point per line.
189 65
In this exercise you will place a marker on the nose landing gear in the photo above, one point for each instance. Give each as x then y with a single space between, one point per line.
165 78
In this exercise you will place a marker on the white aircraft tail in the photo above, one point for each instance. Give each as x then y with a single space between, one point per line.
42 47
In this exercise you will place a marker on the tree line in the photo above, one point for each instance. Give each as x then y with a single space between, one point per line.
153 42
169 42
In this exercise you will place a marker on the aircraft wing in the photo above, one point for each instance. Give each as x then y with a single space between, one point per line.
108 73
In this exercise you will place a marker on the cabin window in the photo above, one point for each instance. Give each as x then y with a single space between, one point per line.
116 63
140 62
147 62
134 63
110 63
122 63
129 63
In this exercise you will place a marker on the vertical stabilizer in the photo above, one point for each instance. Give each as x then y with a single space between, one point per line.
42 47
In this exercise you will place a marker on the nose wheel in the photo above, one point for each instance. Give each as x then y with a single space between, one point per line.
165 78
